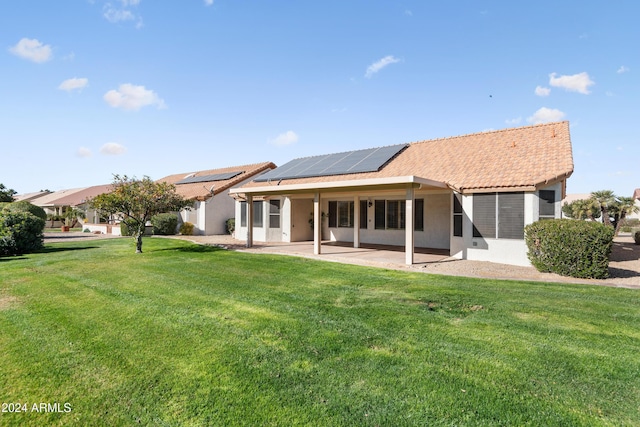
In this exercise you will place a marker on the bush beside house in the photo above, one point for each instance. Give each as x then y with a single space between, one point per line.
165 224
570 248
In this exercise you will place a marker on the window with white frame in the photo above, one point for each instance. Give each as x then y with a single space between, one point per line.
274 213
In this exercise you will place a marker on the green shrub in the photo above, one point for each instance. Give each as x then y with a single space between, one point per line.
186 229
20 233
570 247
636 237
25 206
165 224
231 225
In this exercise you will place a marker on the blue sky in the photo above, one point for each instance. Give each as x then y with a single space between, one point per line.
90 88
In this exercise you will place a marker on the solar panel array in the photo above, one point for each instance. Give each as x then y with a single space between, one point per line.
358 161
209 178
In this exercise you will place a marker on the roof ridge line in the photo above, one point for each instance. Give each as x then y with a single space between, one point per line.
489 131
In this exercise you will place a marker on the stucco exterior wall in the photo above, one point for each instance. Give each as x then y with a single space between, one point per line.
505 251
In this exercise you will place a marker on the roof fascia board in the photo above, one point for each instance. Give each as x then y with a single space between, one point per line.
346 185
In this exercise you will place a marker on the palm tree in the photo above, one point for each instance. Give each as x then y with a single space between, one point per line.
624 206
582 209
605 198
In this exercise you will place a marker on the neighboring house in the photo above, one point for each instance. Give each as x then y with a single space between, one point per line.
636 198
472 194
79 200
209 190
48 202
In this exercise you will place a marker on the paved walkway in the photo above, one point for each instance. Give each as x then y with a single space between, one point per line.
624 268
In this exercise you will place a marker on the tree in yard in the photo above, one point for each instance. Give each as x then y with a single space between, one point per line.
605 199
582 209
6 194
622 207
137 200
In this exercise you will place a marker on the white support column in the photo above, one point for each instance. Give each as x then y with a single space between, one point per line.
356 222
317 225
249 220
408 222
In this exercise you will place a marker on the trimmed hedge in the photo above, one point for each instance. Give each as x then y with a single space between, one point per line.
20 233
570 247
164 224
25 206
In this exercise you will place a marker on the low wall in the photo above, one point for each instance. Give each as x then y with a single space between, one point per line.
102 228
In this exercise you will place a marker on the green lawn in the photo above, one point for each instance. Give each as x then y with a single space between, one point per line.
184 335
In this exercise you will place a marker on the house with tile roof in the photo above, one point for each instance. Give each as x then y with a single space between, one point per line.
636 199
28 197
471 195
58 202
209 191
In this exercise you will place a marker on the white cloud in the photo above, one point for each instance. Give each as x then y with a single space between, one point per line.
623 69
545 114
208 2
542 91
132 98
575 83
83 152
112 149
408 12
115 14
513 121
73 84
33 50
287 138
379 65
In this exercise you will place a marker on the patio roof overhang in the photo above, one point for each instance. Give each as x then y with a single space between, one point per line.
389 183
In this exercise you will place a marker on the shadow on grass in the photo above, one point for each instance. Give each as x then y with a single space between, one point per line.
49 249
192 249
11 258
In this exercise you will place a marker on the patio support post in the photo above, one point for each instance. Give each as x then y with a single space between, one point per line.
408 222
356 222
249 220
317 225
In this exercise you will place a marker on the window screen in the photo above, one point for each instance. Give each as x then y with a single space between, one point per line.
363 214
457 216
380 214
243 214
274 213
547 200
333 214
511 215
484 215
257 214
418 216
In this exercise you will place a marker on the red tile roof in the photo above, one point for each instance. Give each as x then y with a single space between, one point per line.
200 190
523 158
79 197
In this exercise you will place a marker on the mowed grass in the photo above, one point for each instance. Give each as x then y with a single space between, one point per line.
185 335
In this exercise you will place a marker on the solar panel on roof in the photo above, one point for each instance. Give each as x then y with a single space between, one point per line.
209 178
358 161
